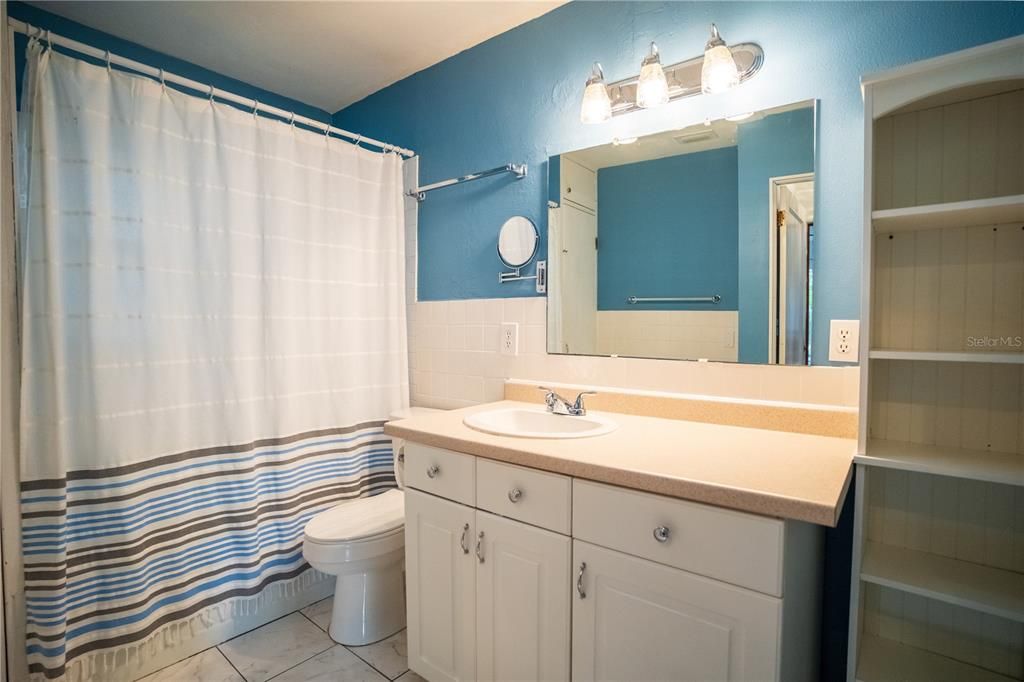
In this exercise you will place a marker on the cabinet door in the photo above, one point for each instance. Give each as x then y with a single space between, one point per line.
579 184
522 601
634 619
441 589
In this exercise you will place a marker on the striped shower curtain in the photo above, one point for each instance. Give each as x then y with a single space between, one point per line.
213 334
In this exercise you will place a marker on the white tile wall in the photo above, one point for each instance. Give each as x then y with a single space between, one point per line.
454 360
676 334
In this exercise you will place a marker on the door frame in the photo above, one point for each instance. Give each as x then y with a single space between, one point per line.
774 185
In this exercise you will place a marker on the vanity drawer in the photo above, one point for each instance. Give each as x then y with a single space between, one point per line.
735 547
441 472
544 499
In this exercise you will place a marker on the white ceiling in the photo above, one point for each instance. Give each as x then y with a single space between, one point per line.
328 54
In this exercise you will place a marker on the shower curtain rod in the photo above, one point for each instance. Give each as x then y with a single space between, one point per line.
165 76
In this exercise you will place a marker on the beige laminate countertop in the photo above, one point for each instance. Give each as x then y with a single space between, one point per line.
774 473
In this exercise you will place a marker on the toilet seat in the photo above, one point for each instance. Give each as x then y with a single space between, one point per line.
359 520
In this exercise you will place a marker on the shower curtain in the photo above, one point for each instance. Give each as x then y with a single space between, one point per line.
214 332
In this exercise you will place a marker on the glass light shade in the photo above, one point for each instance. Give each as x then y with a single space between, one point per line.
652 88
719 72
597 106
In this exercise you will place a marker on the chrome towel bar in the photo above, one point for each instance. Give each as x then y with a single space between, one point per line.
517 169
633 300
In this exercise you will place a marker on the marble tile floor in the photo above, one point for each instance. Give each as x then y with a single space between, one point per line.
295 648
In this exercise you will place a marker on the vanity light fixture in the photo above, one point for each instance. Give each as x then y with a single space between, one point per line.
720 68
719 72
652 88
597 106
618 141
736 118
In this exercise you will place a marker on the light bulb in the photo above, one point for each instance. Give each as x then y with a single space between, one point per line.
652 88
719 72
597 106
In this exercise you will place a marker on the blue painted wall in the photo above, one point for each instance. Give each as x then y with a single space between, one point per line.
668 227
104 41
782 144
516 98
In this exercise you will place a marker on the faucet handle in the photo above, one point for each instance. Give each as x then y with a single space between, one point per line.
578 406
556 403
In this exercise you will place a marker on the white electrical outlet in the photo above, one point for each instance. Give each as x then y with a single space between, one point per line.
844 340
509 339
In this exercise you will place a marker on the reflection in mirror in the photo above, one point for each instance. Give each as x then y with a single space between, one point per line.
517 241
695 243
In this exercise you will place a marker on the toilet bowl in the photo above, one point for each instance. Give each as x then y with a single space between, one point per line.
362 542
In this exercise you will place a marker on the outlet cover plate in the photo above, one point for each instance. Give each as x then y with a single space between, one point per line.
844 341
509 339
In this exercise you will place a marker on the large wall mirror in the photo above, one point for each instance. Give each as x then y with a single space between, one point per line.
693 243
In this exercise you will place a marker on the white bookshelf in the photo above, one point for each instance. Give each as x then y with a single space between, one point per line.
937 583
973 586
990 357
975 465
883 660
992 211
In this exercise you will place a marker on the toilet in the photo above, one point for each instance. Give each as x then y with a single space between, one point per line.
363 543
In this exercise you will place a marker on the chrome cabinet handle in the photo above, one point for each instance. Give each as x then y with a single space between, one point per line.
661 534
579 581
480 546
514 495
433 470
463 541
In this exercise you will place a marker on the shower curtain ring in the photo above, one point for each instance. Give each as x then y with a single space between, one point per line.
49 40
107 58
163 83
211 93
255 107
291 121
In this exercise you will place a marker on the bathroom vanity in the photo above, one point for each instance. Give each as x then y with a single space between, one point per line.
666 549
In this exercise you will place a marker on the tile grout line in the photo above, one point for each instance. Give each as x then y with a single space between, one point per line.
170 665
299 611
381 672
355 653
225 657
371 666
305 660
302 611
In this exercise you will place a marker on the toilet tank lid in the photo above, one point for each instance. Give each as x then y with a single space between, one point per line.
359 519
407 412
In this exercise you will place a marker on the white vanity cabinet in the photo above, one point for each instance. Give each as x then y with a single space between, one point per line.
440 571
522 574
488 596
522 601
634 619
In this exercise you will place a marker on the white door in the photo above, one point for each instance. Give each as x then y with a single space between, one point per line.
522 601
440 587
577 263
637 620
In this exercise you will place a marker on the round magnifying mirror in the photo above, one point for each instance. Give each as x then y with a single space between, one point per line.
517 241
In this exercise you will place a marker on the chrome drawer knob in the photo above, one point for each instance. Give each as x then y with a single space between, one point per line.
433 470
661 534
515 495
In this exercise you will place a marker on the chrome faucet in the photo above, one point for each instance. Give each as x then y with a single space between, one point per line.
559 405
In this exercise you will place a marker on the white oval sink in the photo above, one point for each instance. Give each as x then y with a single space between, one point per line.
521 422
